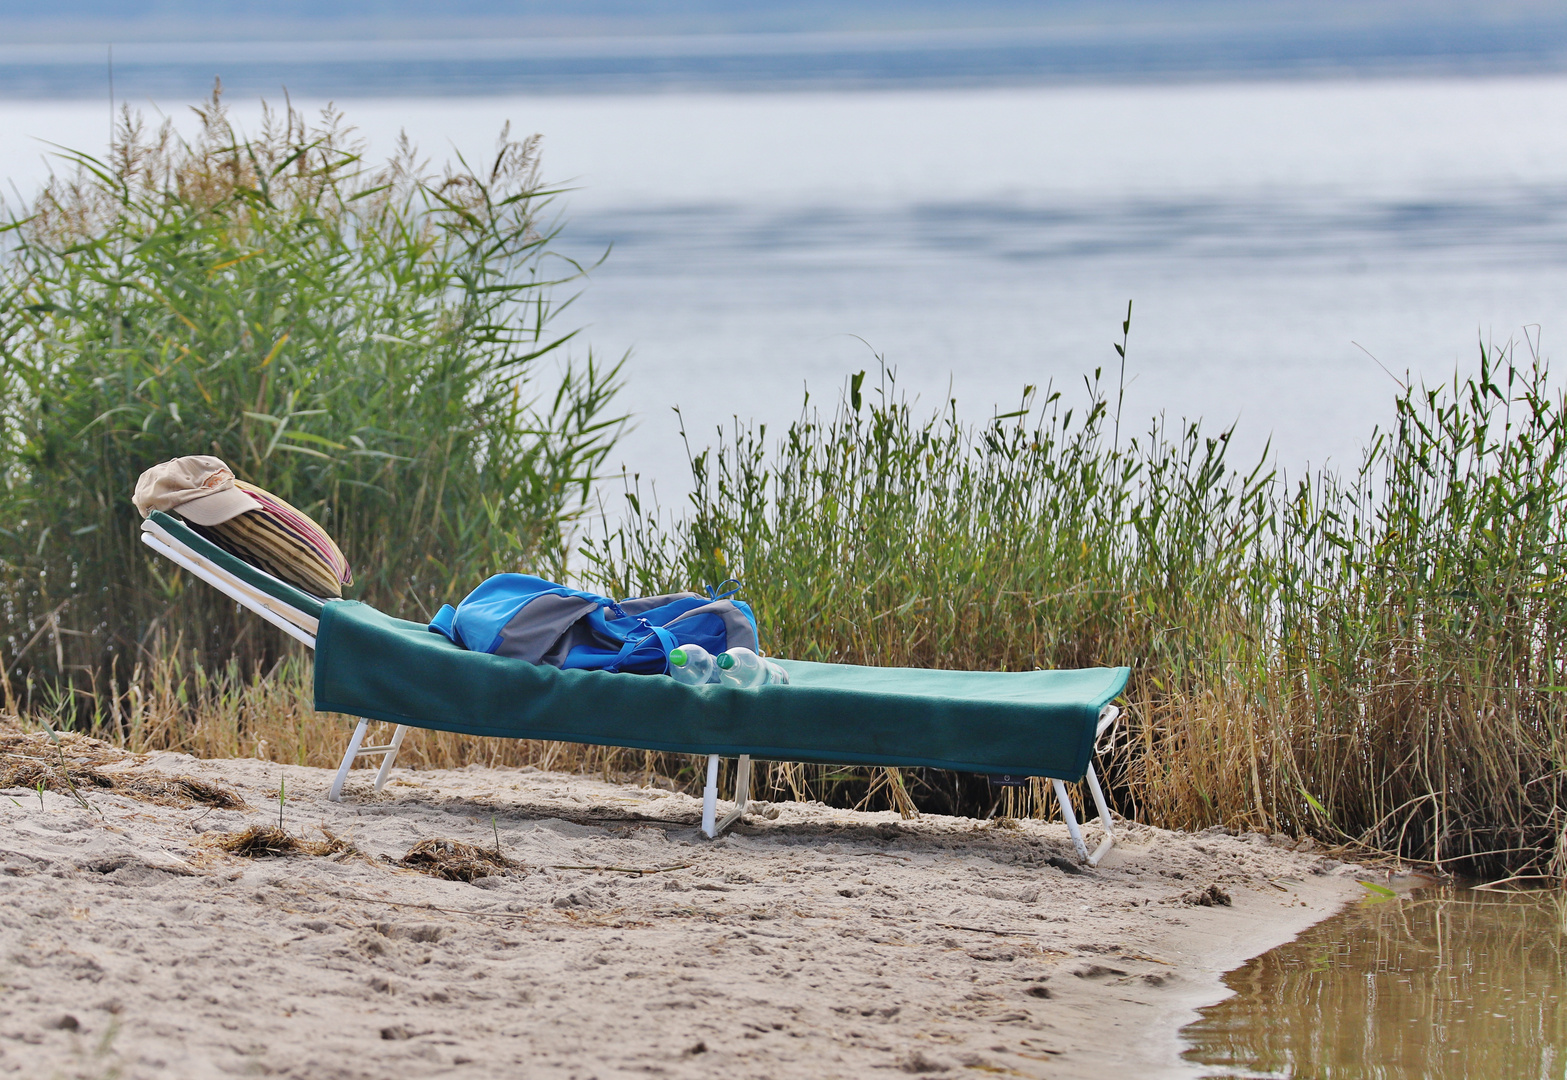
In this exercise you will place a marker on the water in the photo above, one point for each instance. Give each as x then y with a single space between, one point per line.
692 665
1272 235
1442 983
493 48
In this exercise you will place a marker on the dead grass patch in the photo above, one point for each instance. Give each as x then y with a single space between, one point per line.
176 790
456 861
30 759
1212 896
269 841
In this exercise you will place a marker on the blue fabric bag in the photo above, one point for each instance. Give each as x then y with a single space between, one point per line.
526 617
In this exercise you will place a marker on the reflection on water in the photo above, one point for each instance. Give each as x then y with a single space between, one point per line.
1437 983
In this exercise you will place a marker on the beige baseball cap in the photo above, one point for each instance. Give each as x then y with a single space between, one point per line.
198 488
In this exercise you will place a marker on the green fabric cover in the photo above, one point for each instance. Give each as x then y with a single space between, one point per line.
1035 723
257 579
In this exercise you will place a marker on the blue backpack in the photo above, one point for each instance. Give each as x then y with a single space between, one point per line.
531 619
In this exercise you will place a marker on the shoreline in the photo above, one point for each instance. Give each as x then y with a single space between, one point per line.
809 942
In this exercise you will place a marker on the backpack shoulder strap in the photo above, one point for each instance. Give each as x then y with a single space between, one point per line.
442 623
665 639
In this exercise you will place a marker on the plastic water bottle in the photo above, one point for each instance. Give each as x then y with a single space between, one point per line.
693 665
742 667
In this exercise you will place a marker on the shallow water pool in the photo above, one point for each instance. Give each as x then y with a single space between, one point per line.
1440 982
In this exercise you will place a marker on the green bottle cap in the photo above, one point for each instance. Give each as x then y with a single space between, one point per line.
726 661
678 658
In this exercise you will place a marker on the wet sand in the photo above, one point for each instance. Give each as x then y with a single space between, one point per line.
810 942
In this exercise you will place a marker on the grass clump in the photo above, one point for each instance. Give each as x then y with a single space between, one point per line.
269 841
177 791
374 344
34 762
456 861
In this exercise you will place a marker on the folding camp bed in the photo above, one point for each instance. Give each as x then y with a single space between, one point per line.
370 665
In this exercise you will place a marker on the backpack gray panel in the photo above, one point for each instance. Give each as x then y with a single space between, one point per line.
639 604
578 633
737 627
533 632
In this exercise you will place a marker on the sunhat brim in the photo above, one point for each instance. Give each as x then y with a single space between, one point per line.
216 507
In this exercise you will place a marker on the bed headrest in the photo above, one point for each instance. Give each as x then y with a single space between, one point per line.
248 522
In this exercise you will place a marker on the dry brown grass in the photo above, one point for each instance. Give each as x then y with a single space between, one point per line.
456 861
32 760
269 841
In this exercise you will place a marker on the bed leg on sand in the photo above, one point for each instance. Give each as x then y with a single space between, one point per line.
1104 819
1107 718
742 794
1071 819
710 798
336 794
357 749
1075 830
391 755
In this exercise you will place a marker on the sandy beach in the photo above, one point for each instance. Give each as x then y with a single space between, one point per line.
810 942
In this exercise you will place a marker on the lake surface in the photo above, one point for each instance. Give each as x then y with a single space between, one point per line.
1275 237
173 49
1442 983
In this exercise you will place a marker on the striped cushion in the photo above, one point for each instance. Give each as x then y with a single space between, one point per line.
284 542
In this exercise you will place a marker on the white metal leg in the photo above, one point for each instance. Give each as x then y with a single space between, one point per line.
357 749
1107 718
1104 819
710 798
1071 819
293 622
742 794
391 755
336 794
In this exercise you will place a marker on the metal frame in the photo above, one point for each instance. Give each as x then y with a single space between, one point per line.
710 796
287 618
357 750
1107 718
712 828
293 622
302 628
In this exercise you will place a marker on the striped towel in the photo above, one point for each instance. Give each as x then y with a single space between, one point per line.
284 542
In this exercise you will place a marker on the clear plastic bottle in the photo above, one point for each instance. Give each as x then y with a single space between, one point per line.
693 665
742 667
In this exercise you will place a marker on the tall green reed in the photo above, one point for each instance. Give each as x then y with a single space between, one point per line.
1422 619
374 344
1374 659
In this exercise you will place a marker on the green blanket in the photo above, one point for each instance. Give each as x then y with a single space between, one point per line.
1034 723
